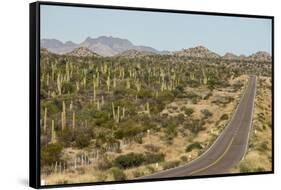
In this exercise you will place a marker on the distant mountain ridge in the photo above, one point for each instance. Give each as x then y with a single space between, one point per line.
103 45
112 46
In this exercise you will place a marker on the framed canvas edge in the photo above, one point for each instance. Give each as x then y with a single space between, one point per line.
34 92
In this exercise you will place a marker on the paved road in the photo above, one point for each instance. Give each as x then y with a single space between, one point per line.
228 149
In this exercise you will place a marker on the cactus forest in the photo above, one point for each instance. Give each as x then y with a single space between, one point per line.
121 117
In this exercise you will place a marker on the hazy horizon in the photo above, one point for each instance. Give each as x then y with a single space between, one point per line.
162 31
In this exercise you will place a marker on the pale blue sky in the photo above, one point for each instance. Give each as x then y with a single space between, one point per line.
163 31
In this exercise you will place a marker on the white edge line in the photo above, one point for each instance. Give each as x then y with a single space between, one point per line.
251 124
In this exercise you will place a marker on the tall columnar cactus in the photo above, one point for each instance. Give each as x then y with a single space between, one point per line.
94 90
102 101
77 86
128 84
156 94
84 82
67 72
108 83
98 105
59 84
73 120
53 133
47 80
114 82
123 73
63 116
53 71
147 108
192 76
138 85
118 114
98 79
45 120
205 79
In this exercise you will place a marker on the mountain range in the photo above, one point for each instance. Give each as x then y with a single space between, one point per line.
112 46
103 45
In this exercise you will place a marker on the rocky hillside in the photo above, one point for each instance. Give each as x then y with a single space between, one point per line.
198 52
260 56
230 56
82 52
135 53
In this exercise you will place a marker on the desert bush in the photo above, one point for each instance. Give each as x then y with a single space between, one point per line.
165 97
50 154
67 137
224 117
170 129
191 95
223 100
206 113
195 145
183 158
118 174
195 125
129 160
170 164
188 111
179 92
154 157
128 129
145 93
82 140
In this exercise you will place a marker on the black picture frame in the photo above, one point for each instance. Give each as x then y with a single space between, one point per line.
34 90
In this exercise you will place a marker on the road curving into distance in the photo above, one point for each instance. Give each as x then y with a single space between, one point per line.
228 149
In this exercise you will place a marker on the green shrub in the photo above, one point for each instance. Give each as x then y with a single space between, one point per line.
82 140
154 157
224 117
128 129
170 164
193 146
50 154
129 160
188 111
145 93
183 158
66 138
206 113
195 125
118 174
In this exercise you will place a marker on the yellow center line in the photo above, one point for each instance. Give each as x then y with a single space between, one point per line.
216 161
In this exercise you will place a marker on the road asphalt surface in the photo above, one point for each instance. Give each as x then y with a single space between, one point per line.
228 149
